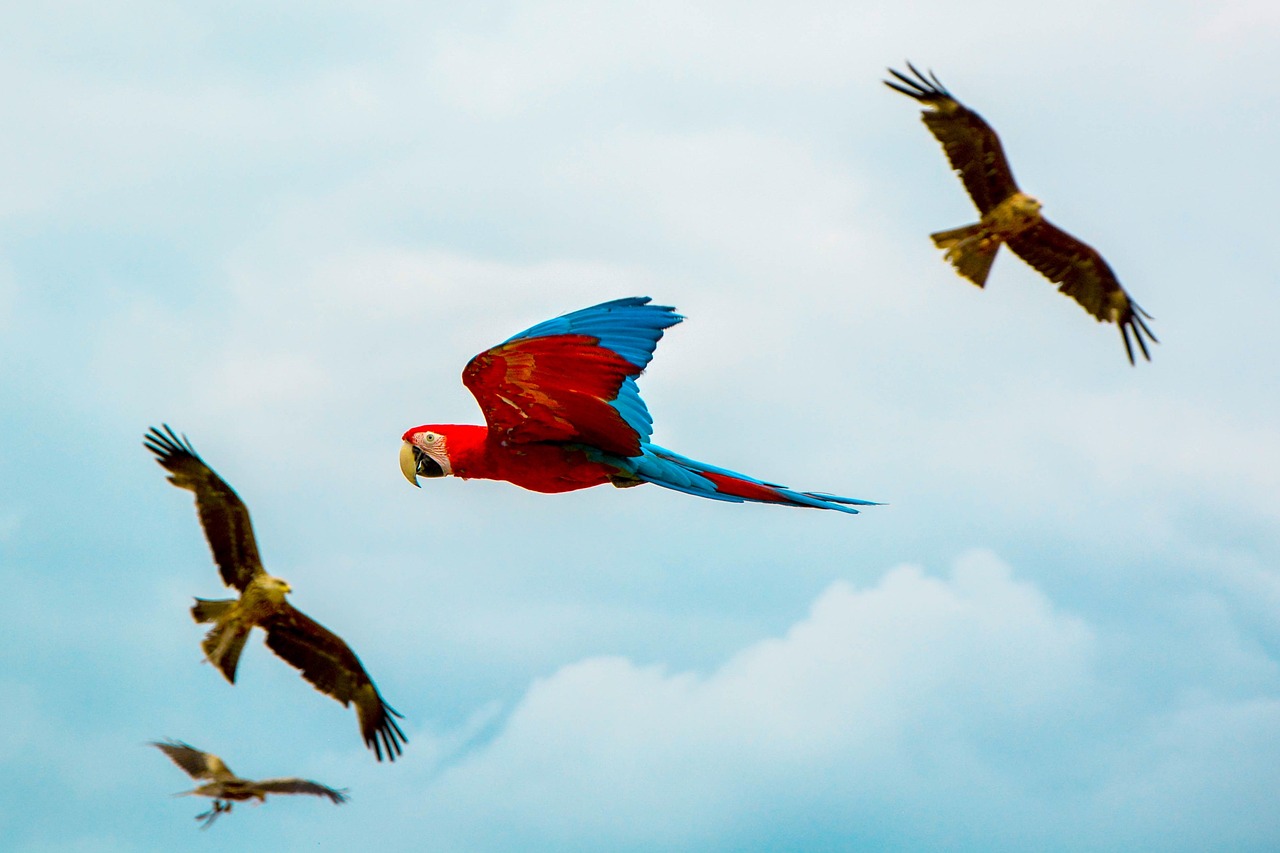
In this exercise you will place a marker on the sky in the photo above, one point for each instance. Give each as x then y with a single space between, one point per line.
284 228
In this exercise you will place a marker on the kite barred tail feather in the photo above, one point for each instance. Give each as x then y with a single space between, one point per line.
206 610
673 471
225 641
970 249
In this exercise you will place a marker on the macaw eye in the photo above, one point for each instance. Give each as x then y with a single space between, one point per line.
431 438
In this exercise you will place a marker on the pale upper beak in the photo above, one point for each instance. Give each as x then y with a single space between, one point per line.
409 463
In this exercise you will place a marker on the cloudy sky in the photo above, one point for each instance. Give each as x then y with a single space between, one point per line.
285 227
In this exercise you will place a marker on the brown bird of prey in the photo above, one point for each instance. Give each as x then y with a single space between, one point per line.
321 655
1013 217
225 786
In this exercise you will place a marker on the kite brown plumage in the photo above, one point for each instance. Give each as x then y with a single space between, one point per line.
1010 216
322 656
224 786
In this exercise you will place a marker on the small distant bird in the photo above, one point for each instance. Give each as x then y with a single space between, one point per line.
226 786
563 413
322 656
1010 216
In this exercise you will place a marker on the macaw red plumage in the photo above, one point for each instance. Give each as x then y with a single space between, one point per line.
563 413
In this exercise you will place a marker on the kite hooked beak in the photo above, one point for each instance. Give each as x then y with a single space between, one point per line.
414 462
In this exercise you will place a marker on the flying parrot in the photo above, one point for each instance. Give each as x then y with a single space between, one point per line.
563 412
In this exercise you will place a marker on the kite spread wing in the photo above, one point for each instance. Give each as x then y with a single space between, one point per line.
223 515
572 379
1083 274
329 664
971 145
196 764
300 786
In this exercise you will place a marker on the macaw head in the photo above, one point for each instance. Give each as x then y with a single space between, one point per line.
425 453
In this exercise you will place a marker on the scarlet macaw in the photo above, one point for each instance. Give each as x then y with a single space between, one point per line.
564 413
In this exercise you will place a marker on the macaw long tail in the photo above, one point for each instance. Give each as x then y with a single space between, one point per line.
670 470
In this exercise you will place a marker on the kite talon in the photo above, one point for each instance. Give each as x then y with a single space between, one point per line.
212 814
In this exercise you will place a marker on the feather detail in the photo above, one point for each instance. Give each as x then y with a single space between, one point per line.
326 661
670 470
572 378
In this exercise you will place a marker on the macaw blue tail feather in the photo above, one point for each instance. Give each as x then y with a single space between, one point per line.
670 470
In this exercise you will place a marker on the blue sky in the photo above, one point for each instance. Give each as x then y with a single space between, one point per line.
284 228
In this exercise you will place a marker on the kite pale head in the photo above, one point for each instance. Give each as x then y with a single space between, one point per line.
1024 207
424 454
275 588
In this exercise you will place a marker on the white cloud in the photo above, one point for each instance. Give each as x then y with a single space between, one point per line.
867 698
966 711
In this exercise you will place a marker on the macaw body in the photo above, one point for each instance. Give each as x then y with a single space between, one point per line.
563 413
477 454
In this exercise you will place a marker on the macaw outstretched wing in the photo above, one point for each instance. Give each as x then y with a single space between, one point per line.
572 379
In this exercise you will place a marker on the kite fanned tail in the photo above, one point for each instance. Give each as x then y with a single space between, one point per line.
225 641
670 470
206 610
970 249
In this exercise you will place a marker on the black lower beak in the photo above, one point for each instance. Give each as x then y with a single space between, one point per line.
426 466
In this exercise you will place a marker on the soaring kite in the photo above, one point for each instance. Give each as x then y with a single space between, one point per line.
225 786
563 413
1010 216
324 659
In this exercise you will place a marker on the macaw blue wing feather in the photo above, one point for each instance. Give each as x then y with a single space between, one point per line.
631 327
572 378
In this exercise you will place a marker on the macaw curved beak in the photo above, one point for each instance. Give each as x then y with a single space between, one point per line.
415 462
409 463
